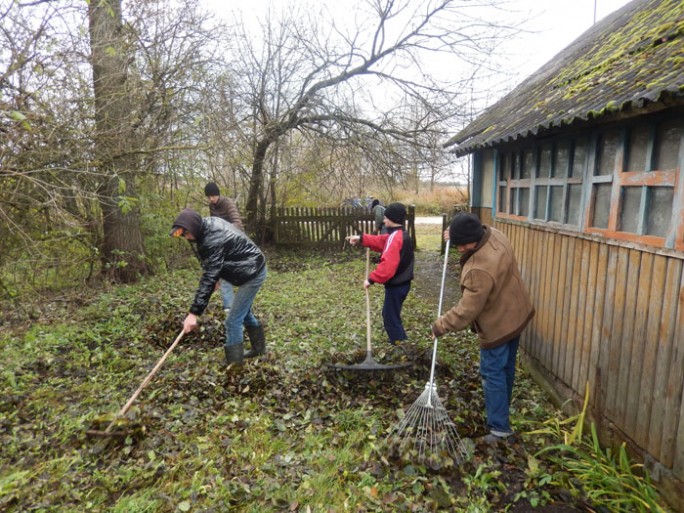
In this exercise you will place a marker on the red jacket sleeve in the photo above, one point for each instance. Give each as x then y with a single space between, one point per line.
389 246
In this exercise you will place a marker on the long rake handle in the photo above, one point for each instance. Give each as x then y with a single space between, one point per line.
439 312
368 312
145 382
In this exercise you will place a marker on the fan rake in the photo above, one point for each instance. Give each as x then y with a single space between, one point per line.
426 435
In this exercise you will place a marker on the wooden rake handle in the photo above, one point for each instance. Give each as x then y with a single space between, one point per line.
368 311
145 382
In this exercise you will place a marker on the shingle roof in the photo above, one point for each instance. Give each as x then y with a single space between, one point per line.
631 58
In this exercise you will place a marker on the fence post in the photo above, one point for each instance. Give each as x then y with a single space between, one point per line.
444 227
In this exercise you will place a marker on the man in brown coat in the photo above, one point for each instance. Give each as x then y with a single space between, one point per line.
222 206
226 209
496 305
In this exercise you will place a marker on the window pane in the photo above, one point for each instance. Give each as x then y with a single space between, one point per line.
502 200
668 137
659 210
608 147
540 206
505 167
524 206
579 157
601 205
545 161
574 200
629 213
516 165
528 163
513 201
562 159
556 207
639 138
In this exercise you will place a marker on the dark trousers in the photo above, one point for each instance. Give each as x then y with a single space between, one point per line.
391 311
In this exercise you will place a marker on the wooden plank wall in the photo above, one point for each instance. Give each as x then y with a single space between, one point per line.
302 226
613 317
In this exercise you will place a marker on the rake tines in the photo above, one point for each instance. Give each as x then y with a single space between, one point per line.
426 435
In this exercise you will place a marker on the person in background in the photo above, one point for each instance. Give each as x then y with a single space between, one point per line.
225 253
496 305
225 208
379 212
395 270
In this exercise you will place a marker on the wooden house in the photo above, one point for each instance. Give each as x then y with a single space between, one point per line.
581 166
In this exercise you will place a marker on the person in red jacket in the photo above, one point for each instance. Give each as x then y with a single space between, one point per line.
395 270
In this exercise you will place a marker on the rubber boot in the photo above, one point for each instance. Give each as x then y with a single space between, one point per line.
257 338
234 355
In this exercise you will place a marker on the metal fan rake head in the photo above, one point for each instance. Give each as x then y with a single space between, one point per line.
426 435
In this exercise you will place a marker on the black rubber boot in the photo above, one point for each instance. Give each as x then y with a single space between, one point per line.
257 338
234 354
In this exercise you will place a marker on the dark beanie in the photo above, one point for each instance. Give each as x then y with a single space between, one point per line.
465 228
396 212
191 221
211 189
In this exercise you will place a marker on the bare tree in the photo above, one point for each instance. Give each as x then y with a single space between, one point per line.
333 82
71 165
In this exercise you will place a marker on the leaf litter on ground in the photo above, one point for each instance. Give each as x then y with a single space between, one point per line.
285 433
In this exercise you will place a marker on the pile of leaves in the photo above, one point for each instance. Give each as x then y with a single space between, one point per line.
287 432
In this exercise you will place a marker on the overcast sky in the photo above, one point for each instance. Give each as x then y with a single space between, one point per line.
554 25
551 25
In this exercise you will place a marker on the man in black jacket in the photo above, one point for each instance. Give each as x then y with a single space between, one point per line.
225 253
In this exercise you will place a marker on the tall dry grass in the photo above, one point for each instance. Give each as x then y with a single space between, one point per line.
442 199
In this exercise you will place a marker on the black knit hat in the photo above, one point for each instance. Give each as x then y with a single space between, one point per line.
211 189
396 212
191 221
465 228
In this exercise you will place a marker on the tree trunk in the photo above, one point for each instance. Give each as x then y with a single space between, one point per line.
256 183
123 250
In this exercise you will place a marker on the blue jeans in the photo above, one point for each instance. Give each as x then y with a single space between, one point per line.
241 311
226 294
391 311
497 368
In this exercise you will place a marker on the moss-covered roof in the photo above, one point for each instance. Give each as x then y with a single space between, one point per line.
630 59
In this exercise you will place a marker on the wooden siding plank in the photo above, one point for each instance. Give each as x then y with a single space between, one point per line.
548 277
639 347
553 302
582 291
572 319
674 420
592 283
626 344
665 398
605 330
539 288
596 336
652 348
538 291
615 350
561 323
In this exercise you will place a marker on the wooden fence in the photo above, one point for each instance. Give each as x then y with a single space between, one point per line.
302 226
